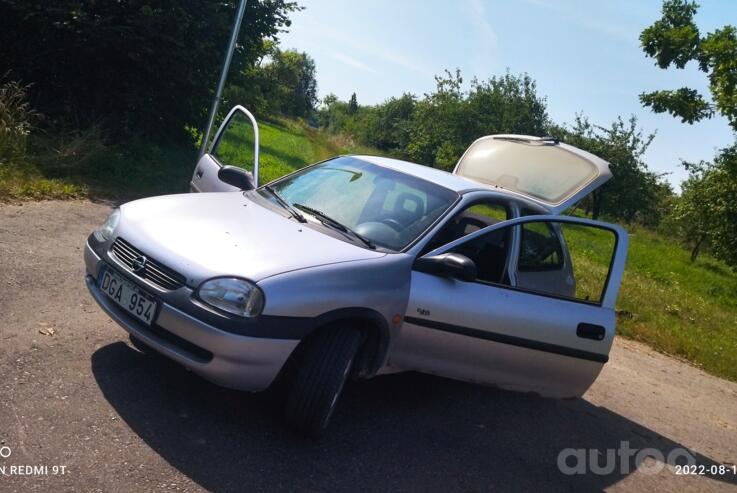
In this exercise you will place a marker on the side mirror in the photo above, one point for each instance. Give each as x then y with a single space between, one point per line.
238 177
452 265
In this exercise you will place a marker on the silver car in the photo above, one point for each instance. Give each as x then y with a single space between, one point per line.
359 265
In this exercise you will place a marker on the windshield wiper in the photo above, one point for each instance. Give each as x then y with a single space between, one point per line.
325 219
295 213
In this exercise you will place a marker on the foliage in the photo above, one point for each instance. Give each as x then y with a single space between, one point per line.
447 121
669 302
138 66
80 164
16 120
634 193
674 39
706 213
284 85
436 129
439 127
388 126
353 104
282 82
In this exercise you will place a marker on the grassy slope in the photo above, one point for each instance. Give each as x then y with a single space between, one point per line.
684 308
679 307
687 309
140 168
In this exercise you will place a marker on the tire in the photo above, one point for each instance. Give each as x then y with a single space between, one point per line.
319 379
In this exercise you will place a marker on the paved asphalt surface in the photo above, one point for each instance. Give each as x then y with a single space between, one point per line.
74 393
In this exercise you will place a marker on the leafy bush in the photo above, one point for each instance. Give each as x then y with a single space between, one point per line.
706 212
634 194
282 83
16 120
437 128
140 67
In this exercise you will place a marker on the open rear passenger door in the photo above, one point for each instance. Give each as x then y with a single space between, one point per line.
544 170
236 145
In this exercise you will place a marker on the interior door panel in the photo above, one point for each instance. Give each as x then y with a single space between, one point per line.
205 176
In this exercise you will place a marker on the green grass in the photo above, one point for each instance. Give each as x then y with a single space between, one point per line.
683 308
23 181
83 166
676 306
285 146
679 307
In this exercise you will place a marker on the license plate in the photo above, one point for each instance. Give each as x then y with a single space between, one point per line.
128 296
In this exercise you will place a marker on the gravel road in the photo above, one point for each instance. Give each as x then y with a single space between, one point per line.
73 393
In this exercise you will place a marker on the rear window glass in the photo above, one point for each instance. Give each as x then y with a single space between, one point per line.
538 169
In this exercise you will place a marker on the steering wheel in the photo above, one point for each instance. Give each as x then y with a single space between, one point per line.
393 223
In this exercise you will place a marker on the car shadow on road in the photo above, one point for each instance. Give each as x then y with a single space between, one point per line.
396 432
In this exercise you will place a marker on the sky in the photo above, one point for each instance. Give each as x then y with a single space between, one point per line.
584 55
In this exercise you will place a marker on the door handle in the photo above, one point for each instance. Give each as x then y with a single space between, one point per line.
199 173
590 331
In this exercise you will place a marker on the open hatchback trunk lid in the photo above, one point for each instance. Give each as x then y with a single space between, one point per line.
548 172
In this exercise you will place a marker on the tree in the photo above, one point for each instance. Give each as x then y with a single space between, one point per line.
282 82
634 192
706 212
353 104
138 66
387 126
290 84
447 121
437 133
674 39
333 115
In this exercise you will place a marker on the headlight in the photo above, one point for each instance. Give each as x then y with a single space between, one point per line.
108 228
236 296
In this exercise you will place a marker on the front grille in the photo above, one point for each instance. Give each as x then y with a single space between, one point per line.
153 271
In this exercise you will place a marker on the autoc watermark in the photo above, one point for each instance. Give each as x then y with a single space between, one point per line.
648 460
8 468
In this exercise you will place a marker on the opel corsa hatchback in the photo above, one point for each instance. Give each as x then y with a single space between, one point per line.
360 265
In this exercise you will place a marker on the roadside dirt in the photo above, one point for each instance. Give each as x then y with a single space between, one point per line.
73 393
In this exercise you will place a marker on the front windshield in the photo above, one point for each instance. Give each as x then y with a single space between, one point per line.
385 206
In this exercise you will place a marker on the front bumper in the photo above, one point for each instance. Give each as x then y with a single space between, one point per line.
227 359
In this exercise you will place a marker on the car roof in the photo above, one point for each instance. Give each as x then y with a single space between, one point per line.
439 177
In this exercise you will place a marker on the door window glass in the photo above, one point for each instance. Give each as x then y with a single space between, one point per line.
235 147
540 248
565 259
590 251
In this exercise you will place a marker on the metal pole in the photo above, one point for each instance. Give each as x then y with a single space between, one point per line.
223 75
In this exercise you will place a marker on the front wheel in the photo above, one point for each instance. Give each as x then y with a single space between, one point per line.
320 378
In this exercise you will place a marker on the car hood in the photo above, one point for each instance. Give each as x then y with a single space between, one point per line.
204 235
